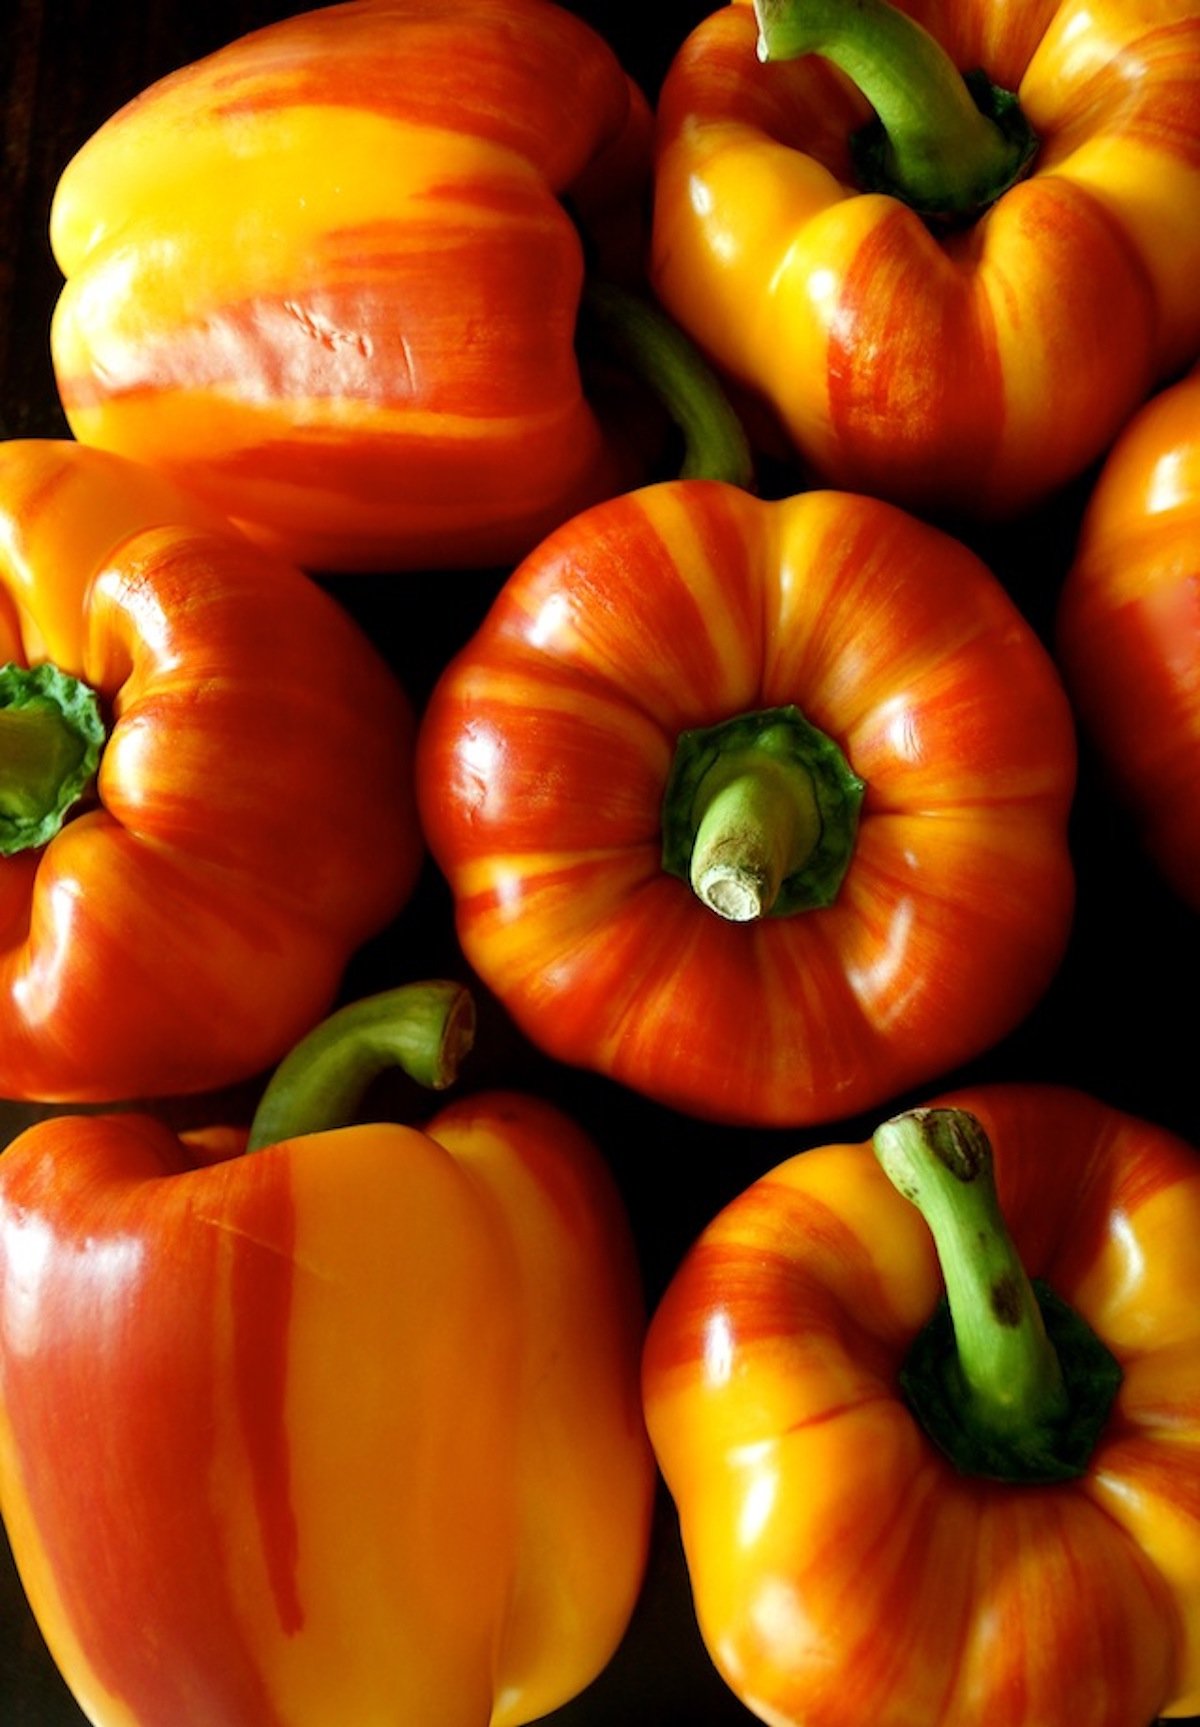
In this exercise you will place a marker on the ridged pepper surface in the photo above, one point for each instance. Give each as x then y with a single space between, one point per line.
206 798
330 276
1128 627
644 781
928 311
344 1429
991 1523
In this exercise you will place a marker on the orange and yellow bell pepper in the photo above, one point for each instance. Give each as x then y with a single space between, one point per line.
757 806
947 289
942 1465
206 799
1128 627
330 276
343 1427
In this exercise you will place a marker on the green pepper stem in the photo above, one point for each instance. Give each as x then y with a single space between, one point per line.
941 1160
424 1029
759 824
760 815
940 151
715 446
51 736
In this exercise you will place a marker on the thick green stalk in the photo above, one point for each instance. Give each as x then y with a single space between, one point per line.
424 1029
759 824
1006 1377
940 1160
947 145
644 339
760 815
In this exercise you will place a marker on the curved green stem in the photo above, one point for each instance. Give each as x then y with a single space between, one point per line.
941 1161
715 446
1007 1378
424 1029
760 815
51 736
947 145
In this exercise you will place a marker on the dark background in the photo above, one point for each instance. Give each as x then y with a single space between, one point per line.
1119 1019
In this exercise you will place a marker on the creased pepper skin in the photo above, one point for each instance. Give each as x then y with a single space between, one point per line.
969 373
1128 627
344 1430
545 750
843 1570
253 819
326 277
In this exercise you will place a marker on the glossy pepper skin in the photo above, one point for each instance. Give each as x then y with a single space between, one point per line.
327 277
345 1429
844 1570
969 370
546 763
1128 626
251 821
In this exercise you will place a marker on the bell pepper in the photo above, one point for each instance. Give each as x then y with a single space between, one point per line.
1128 627
330 276
939 1462
757 806
945 250
345 1428
206 798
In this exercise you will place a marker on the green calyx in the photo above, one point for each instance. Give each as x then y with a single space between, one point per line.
947 143
760 815
1006 1378
51 738
424 1030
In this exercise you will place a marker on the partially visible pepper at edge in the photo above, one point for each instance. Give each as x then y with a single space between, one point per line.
966 369
1128 627
174 920
342 1429
330 276
847 1565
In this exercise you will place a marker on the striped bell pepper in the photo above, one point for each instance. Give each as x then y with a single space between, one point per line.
330 277
334 1423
